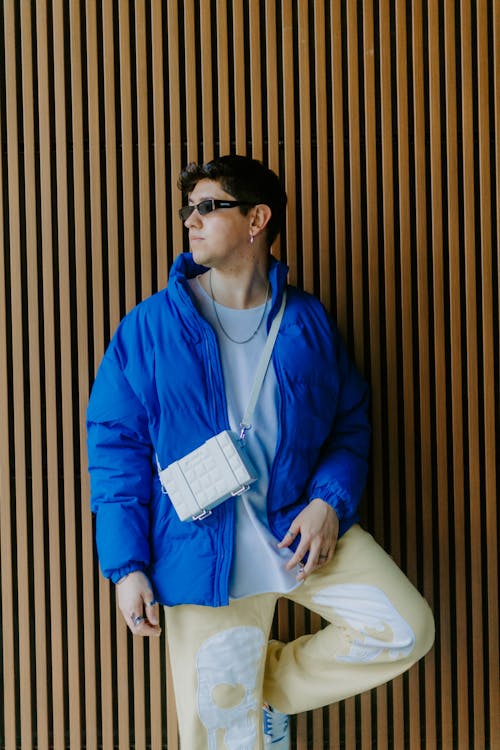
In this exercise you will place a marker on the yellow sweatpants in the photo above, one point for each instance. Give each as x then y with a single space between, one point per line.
224 668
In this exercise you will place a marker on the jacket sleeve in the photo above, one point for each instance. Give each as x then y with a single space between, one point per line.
120 466
340 474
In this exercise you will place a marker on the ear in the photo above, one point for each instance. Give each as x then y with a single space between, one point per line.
259 218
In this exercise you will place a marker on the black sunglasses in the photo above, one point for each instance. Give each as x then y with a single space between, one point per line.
209 205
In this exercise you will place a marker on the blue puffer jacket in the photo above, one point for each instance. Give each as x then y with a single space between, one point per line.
159 390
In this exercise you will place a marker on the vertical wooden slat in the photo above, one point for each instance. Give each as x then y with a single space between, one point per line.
255 99
139 109
63 305
239 83
322 160
47 198
122 675
373 250
273 141
461 717
488 76
339 243
422 390
127 207
472 412
223 78
96 223
111 164
190 87
306 187
289 137
434 703
272 85
339 185
391 486
356 306
355 225
206 80
407 407
175 125
496 100
16 289
172 735
155 654
9 693
160 186
81 339
35 398
141 105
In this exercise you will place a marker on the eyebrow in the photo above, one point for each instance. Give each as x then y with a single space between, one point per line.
203 198
211 197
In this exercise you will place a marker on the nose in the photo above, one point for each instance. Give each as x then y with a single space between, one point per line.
194 220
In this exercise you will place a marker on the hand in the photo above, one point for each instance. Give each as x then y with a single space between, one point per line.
137 605
318 526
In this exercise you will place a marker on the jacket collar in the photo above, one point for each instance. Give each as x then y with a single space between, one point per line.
185 268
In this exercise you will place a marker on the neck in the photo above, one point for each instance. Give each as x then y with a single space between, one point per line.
244 289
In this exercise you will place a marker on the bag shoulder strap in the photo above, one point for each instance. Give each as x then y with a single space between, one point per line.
265 358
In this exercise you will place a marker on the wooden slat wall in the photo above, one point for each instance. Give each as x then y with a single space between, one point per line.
383 119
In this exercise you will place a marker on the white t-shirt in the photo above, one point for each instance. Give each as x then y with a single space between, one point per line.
258 565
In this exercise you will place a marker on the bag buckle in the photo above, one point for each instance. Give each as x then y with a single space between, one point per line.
200 516
242 489
243 431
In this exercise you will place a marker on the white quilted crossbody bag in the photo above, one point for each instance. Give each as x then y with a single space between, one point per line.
220 468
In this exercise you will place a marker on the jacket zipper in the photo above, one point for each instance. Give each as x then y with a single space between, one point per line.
223 561
279 443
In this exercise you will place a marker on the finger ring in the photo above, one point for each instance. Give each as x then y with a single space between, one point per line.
138 620
152 604
322 557
290 533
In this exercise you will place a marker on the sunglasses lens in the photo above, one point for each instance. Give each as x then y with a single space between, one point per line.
185 212
205 207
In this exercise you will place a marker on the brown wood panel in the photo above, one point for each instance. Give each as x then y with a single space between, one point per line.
207 80
223 78
382 119
322 161
63 363
255 92
488 79
287 96
49 425
9 703
20 524
175 130
75 367
35 491
372 220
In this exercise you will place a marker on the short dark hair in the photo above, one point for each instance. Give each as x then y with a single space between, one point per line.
244 178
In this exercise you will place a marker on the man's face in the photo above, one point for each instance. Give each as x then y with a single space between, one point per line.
221 237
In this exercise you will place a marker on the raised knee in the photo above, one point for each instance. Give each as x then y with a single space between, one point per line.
424 630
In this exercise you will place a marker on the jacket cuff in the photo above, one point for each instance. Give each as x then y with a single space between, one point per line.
116 575
330 495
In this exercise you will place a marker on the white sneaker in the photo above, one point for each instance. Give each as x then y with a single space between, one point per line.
276 729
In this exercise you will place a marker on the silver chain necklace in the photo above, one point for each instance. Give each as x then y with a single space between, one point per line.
236 341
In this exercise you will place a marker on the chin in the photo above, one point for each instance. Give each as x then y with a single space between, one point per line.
199 257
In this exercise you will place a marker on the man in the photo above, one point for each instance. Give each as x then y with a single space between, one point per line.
178 371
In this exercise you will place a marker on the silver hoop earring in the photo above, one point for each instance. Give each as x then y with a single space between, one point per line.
251 238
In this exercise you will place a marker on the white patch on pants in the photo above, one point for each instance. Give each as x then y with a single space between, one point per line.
231 657
368 610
